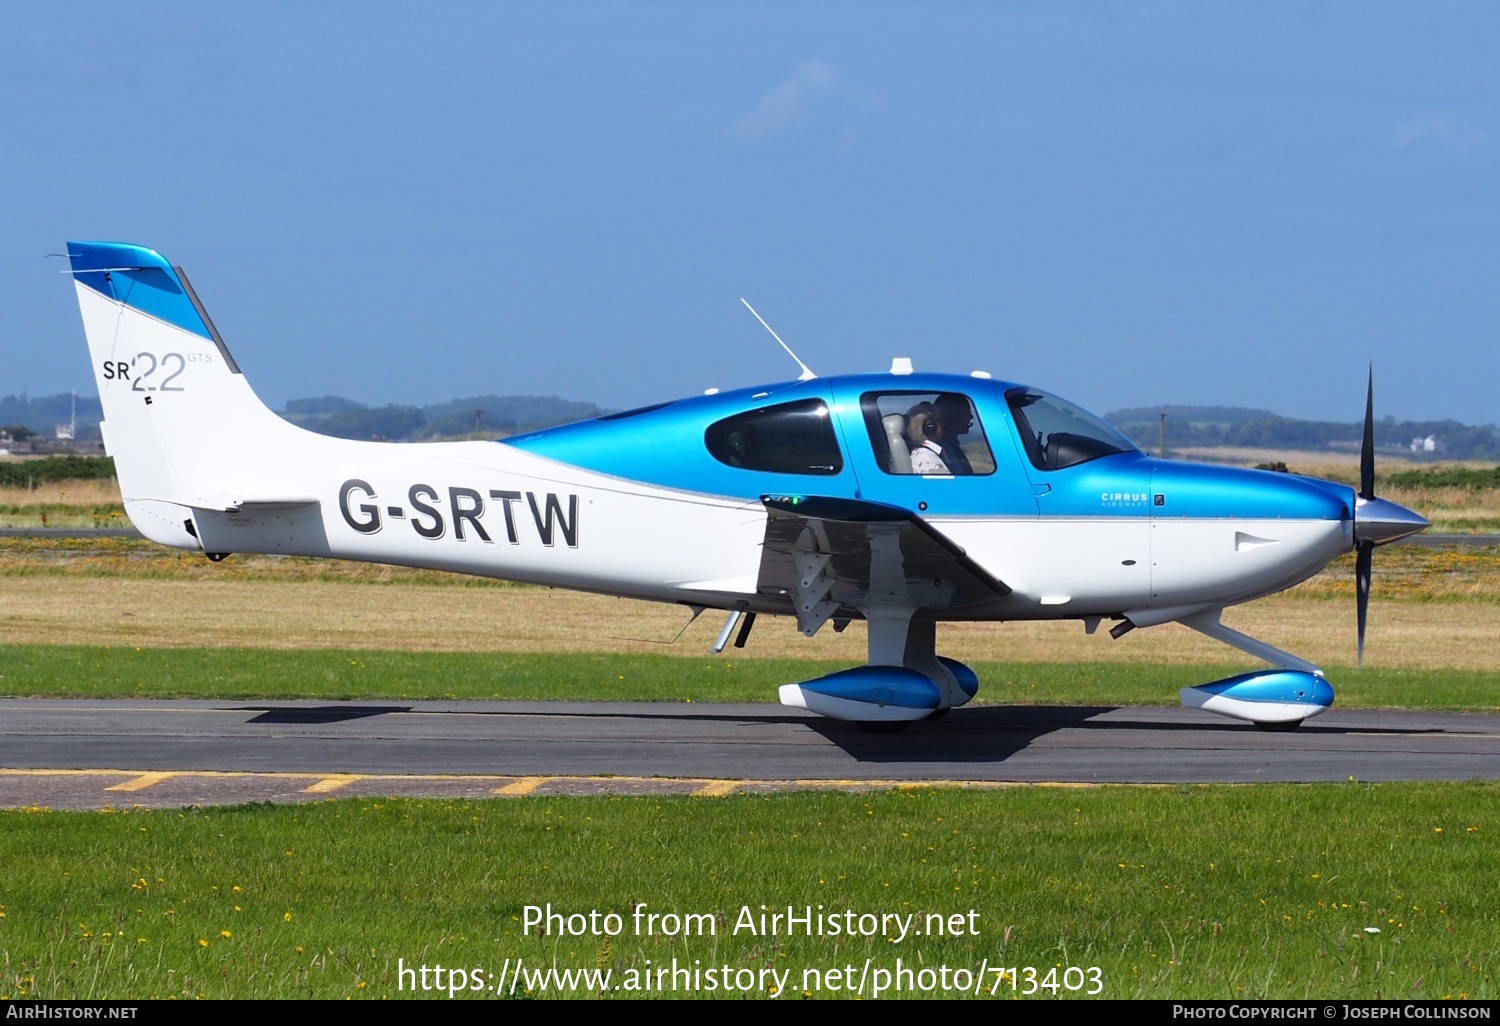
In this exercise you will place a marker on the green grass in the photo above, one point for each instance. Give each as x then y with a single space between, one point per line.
60 514
1446 477
1217 891
51 469
1460 523
87 672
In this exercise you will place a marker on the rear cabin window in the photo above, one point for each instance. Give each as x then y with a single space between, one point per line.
792 438
926 433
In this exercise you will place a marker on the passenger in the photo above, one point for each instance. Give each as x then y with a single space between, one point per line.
918 424
952 418
926 452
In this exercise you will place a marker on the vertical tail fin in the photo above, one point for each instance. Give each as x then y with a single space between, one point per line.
179 418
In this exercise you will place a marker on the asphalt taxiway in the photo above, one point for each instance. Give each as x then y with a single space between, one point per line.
95 753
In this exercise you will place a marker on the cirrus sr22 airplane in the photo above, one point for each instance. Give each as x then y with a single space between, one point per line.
902 499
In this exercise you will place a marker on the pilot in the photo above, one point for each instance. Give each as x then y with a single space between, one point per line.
736 446
926 451
952 417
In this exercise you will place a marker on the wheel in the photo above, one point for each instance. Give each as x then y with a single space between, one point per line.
937 714
1279 728
883 726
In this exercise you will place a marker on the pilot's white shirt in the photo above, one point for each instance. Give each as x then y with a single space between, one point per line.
927 459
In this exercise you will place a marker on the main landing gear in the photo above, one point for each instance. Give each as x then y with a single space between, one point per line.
905 681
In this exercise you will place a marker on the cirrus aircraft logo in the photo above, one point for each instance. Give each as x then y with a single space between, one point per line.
1118 499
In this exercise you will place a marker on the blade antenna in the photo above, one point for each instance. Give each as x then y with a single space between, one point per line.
807 372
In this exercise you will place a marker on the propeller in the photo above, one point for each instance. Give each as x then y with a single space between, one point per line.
1364 560
1377 521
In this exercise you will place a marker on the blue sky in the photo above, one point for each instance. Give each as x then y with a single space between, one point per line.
1125 203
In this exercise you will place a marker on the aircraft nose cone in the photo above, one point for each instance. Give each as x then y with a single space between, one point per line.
1381 521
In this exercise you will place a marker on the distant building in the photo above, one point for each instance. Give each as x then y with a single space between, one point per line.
1428 444
66 432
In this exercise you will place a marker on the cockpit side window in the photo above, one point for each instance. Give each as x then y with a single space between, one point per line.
926 433
791 438
1058 434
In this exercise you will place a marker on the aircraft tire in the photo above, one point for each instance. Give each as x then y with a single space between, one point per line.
1279 728
937 714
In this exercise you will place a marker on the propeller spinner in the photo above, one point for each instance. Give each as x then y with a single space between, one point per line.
1377 521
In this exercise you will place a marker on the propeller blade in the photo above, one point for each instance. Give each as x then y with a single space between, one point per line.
1362 565
1367 448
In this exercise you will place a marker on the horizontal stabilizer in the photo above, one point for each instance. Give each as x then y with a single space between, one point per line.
226 504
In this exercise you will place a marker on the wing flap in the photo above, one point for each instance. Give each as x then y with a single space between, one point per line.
830 553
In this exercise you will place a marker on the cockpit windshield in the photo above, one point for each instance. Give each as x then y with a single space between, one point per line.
1058 434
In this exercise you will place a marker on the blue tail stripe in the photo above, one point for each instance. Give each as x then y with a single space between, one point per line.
138 277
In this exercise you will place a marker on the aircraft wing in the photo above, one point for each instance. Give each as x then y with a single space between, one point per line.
829 553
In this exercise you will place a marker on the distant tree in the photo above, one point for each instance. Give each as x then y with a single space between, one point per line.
345 418
392 423
1219 415
322 405
504 414
1212 426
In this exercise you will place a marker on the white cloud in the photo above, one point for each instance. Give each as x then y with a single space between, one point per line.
814 93
1440 131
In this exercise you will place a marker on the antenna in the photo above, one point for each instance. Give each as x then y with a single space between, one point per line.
807 372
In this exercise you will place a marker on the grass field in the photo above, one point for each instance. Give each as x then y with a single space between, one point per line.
118 617
1221 892
248 673
63 504
1215 891
1432 610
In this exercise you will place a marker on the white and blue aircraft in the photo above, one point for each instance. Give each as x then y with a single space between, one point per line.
902 499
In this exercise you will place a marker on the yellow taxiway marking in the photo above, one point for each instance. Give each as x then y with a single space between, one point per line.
718 789
323 783
524 786
141 782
